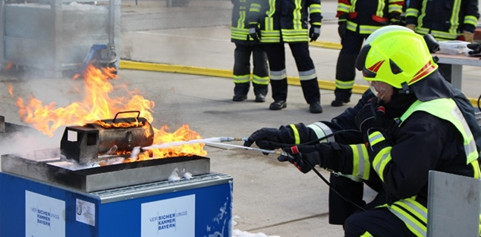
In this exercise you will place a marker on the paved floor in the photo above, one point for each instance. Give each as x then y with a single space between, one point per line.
154 33
269 197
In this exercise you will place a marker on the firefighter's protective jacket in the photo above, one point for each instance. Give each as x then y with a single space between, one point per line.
429 135
239 32
284 20
444 19
366 16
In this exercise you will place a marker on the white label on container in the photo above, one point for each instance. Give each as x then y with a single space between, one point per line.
72 136
173 217
85 212
44 216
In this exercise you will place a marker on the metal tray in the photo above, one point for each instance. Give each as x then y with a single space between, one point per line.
46 166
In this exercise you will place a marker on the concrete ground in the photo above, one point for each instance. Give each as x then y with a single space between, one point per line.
269 197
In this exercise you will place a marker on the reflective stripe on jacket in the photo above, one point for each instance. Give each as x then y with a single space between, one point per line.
447 109
409 210
367 16
285 20
444 19
239 30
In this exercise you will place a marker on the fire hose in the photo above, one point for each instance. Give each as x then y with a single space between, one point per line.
194 141
217 142
291 158
221 142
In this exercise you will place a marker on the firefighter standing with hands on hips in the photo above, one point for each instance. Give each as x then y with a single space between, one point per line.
277 22
417 122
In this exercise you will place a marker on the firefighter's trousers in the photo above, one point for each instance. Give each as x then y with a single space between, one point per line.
345 67
305 67
242 69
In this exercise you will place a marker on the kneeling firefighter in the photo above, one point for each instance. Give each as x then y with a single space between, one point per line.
416 122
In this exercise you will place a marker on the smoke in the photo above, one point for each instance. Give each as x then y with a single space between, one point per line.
28 140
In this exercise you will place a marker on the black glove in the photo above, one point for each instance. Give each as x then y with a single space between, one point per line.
271 138
314 33
394 18
265 138
475 50
255 33
305 160
371 115
328 155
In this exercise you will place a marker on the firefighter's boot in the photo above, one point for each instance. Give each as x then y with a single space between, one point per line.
240 91
260 91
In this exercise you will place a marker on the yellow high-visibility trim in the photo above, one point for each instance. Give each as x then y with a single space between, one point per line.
476 171
412 213
344 84
361 165
375 137
242 78
381 160
366 234
297 138
412 12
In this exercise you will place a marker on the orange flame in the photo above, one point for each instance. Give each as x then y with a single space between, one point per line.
104 124
98 105
181 134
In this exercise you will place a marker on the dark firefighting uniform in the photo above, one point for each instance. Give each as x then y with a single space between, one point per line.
350 189
444 20
438 133
286 21
244 48
362 18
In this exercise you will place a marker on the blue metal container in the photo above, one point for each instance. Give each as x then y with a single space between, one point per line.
199 206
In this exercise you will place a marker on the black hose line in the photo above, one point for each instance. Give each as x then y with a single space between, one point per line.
319 173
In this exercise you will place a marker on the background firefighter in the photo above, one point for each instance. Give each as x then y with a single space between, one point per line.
444 20
244 49
277 22
357 19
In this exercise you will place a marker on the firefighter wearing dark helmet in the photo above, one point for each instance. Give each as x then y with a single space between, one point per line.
417 122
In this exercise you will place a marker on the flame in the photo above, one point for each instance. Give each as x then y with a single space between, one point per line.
98 105
135 123
181 134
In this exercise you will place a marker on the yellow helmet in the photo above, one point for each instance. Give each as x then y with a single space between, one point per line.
395 55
